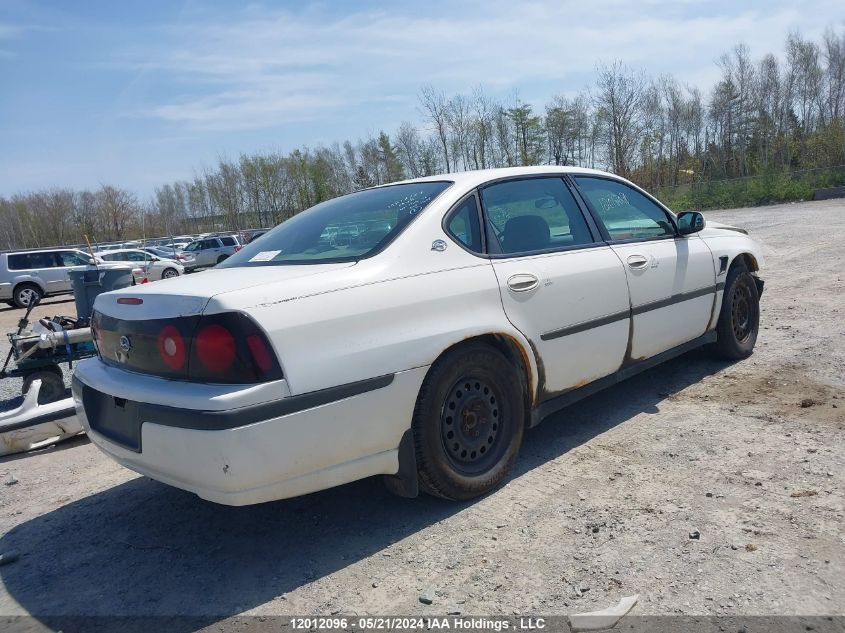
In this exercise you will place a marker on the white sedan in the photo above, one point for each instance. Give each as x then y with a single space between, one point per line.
413 330
150 266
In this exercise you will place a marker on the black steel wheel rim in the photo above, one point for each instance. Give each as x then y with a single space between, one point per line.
742 313
471 425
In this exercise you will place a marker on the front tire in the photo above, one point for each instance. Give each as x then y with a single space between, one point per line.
26 294
468 422
739 318
169 273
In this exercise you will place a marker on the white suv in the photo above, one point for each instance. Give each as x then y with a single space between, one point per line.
413 330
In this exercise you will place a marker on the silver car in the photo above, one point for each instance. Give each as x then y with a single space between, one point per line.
27 275
210 251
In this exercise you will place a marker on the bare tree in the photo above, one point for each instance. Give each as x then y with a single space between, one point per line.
618 96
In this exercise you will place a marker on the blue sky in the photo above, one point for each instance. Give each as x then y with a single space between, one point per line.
137 94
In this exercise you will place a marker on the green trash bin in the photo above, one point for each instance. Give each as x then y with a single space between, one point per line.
93 281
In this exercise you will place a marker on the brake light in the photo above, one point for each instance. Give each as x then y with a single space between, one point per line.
215 348
171 347
225 348
260 354
130 301
238 247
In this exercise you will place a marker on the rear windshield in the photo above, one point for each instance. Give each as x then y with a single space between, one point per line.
348 228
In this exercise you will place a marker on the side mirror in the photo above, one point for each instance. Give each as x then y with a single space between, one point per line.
690 222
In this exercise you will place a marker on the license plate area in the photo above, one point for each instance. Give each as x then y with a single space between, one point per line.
117 419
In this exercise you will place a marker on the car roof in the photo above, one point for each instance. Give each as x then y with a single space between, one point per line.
478 177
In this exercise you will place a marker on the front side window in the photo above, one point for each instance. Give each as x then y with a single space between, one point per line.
535 214
193 246
347 228
68 258
625 212
463 224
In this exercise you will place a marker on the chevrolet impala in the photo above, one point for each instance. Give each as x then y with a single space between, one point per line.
413 330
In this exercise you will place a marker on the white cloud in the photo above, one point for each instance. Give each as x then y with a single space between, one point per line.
269 67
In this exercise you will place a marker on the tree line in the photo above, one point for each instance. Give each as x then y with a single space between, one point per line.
765 117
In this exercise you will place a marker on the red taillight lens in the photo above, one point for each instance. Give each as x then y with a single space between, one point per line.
260 354
215 348
225 348
237 248
171 347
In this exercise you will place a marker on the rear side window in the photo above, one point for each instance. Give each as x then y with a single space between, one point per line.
228 241
30 261
625 212
535 214
463 225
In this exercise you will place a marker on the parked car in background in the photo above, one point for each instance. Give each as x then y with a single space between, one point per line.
255 236
152 267
210 251
172 252
34 274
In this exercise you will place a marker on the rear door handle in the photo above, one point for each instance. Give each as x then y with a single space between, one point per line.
523 282
637 262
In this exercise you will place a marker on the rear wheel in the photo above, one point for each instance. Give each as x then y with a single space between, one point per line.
25 294
222 258
468 422
739 319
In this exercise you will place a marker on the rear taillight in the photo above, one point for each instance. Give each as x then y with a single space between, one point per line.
238 247
230 348
215 348
171 347
222 348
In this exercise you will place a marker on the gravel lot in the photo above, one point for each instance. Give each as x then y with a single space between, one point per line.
602 503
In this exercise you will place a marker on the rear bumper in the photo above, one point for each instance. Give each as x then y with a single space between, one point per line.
234 454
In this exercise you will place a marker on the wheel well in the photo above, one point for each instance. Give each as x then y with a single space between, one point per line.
27 283
749 260
515 353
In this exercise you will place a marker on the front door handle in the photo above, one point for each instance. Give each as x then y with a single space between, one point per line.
523 282
637 262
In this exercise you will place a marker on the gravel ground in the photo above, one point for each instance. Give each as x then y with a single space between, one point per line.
705 487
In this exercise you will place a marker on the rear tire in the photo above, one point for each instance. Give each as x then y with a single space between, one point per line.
222 258
25 293
468 422
739 318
